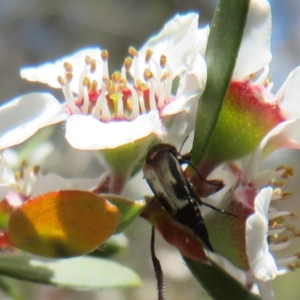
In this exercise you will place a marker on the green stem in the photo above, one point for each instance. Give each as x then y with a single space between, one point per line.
222 50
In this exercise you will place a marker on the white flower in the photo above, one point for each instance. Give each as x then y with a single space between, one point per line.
103 112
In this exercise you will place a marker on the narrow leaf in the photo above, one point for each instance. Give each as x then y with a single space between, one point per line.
217 283
221 53
78 273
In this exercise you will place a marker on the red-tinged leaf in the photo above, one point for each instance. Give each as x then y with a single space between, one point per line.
173 232
63 224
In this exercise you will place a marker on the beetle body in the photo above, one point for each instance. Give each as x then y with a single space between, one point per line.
164 174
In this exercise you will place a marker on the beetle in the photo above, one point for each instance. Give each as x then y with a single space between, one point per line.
163 172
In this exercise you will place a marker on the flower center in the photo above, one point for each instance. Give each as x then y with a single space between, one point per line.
123 96
281 231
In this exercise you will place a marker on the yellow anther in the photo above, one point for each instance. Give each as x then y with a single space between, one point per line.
140 86
110 87
290 228
278 183
292 267
93 65
86 82
17 175
286 195
165 76
148 74
287 172
293 215
297 255
116 77
148 55
281 240
296 234
68 67
93 86
277 221
133 52
69 77
87 60
36 169
61 80
163 61
128 63
104 55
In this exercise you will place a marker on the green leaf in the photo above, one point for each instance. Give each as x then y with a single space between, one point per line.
78 273
217 283
130 209
221 53
9 289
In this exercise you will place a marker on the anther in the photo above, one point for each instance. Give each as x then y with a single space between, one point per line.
116 77
148 55
86 82
287 172
133 52
148 74
93 86
296 234
87 60
104 55
61 81
127 63
163 61
69 77
68 67
165 76
93 65
36 169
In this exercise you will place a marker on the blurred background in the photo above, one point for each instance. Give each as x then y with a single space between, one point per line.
34 31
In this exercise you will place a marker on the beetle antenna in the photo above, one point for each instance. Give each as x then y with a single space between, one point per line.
183 143
157 269
194 168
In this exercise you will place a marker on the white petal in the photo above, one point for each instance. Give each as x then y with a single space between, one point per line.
48 72
24 116
53 182
175 41
255 52
284 135
88 133
290 103
265 290
191 86
260 259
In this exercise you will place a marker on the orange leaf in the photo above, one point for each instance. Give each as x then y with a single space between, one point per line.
63 223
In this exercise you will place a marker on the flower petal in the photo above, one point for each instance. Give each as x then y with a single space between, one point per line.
284 135
24 116
290 103
255 51
261 261
175 40
53 182
191 85
81 131
48 72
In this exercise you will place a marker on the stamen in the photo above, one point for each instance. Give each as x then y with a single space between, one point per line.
133 52
148 55
136 71
163 61
285 172
104 56
263 76
135 102
68 67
